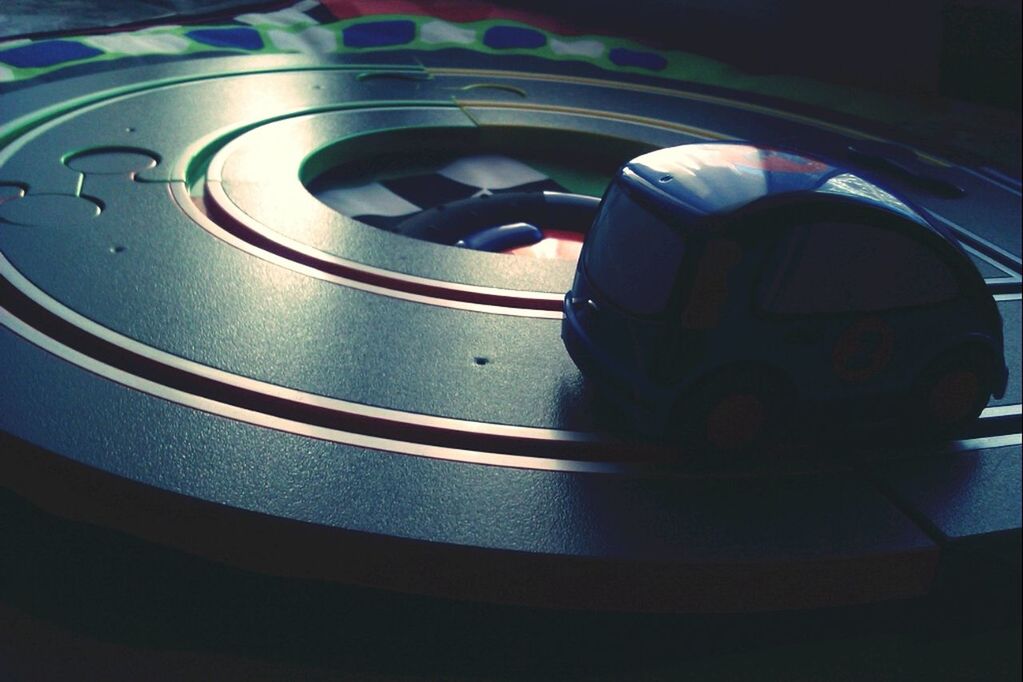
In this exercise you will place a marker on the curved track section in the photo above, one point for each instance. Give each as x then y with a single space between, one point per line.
394 413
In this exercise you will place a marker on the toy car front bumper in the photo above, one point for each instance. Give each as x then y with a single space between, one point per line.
643 404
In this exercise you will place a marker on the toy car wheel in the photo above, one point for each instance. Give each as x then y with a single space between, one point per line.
952 391
733 415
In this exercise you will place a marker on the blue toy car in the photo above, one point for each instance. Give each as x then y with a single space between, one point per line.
723 285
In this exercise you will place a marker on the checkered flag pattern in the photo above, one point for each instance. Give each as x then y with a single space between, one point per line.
386 203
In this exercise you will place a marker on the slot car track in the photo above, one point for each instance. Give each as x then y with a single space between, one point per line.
199 352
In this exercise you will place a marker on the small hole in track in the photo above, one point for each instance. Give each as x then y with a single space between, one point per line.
117 249
480 360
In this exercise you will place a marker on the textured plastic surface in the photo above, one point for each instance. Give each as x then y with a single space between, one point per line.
148 267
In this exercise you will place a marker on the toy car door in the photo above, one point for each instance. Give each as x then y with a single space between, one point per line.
852 307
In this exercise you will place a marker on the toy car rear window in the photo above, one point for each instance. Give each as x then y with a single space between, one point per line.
846 267
633 255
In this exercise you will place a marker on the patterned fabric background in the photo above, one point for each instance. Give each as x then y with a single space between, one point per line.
331 28
336 26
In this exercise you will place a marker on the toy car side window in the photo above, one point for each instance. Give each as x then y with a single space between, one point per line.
835 267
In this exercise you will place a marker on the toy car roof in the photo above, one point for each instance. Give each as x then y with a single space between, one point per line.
717 178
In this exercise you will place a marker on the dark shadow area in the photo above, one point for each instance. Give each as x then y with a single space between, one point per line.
962 49
160 614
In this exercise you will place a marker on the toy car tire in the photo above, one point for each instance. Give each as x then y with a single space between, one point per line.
952 392
732 415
